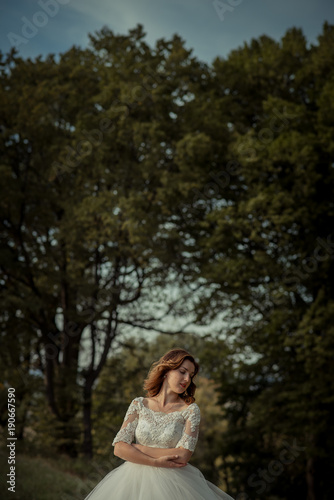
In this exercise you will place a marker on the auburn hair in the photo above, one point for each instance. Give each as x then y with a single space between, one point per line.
172 360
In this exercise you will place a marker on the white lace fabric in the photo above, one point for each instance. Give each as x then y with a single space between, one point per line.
158 429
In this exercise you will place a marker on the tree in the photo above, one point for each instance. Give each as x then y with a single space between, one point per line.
86 143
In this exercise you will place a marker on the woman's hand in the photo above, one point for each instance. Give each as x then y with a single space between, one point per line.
182 454
169 461
181 457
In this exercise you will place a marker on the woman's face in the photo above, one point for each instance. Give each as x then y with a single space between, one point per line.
180 378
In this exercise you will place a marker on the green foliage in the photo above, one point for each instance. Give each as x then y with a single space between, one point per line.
85 148
132 172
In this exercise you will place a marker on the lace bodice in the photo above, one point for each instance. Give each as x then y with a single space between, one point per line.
158 429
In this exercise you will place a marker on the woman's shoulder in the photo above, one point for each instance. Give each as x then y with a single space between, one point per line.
135 404
137 401
193 414
193 407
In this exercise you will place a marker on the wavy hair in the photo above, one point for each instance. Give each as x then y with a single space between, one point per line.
170 361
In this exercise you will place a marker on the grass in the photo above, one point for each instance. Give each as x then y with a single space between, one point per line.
46 478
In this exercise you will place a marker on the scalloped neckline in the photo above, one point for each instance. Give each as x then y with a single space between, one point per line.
163 412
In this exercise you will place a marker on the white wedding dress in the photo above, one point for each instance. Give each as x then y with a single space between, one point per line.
132 481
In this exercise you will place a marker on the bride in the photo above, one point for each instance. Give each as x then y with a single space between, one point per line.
158 437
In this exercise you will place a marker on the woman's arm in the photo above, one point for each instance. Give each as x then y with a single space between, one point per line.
132 454
183 454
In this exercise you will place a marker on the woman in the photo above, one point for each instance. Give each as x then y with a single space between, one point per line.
165 428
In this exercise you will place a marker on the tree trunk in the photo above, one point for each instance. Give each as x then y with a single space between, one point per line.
61 386
310 479
87 446
49 386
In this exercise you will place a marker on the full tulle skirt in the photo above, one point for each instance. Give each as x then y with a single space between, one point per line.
132 481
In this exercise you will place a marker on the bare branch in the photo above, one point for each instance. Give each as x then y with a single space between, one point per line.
159 330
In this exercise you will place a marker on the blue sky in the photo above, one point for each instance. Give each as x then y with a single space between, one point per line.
53 26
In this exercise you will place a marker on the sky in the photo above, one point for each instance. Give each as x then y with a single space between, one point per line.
210 27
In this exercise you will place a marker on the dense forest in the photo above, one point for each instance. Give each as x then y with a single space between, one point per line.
151 200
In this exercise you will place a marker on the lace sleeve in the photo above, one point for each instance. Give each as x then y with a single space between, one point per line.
127 431
191 429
